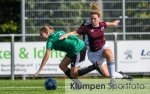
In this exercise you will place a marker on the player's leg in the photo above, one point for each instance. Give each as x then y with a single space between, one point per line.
74 71
64 66
77 62
77 71
103 69
99 62
85 70
107 53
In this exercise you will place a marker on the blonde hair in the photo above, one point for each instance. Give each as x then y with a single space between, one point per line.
95 9
47 29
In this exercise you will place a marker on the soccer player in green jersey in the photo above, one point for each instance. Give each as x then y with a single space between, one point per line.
73 46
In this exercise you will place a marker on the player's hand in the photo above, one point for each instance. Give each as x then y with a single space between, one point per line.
65 36
116 22
35 75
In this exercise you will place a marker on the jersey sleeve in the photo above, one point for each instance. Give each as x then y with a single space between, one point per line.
49 45
103 24
81 30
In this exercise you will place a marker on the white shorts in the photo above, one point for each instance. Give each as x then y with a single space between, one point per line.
97 56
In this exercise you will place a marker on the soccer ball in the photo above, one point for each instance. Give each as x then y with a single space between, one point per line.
50 84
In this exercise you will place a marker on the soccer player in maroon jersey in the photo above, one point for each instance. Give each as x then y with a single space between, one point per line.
99 51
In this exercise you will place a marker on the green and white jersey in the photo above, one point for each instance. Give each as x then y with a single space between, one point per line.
72 45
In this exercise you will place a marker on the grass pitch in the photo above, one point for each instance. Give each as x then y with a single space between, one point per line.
139 86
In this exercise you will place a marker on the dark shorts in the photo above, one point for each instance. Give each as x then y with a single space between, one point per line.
78 58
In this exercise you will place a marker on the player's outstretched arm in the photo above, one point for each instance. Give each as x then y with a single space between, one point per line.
43 63
114 23
68 34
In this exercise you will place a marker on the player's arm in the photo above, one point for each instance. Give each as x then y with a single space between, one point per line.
114 23
43 62
79 31
68 34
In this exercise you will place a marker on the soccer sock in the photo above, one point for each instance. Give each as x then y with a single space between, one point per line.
111 69
118 75
68 73
86 70
75 80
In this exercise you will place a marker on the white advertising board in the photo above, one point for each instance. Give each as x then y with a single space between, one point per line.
133 56
28 57
5 57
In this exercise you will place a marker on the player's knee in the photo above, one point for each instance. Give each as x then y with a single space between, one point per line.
109 58
74 74
62 67
106 74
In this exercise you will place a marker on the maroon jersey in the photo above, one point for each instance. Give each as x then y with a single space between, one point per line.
95 35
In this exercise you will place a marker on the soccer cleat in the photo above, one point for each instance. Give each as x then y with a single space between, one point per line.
125 76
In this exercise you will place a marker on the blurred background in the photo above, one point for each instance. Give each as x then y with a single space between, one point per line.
20 21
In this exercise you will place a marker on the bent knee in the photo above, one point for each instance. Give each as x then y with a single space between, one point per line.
74 74
109 58
106 75
60 66
63 68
